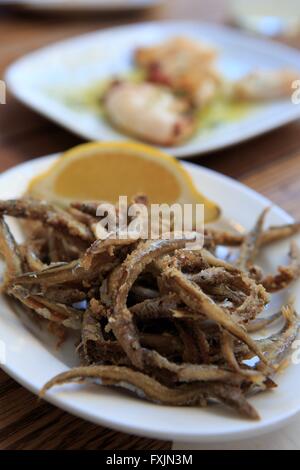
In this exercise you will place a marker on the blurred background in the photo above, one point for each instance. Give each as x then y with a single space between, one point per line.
26 25
269 17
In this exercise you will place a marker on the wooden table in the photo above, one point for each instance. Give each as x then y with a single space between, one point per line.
269 164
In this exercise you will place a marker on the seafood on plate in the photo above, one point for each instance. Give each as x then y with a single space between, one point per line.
186 66
178 78
149 112
261 85
167 322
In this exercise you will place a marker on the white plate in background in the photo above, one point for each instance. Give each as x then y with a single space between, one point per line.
81 5
31 357
46 79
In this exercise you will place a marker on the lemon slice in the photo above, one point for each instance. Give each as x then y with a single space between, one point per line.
106 170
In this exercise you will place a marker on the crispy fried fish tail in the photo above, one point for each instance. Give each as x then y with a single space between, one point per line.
286 274
138 382
10 252
251 244
197 300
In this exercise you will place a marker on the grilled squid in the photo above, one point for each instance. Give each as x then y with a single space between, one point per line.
149 112
184 65
265 85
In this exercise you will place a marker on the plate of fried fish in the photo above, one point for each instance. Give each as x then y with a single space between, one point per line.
151 336
186 86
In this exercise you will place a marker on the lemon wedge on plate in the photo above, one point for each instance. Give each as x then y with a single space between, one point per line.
106 170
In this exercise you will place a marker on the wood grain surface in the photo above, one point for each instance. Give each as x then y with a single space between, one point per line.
269 164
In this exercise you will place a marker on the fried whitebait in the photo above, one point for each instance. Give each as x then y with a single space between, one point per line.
170 324
250 245
197 300
286 274
46 213
270 235
192 394
10 252
277 346
55 312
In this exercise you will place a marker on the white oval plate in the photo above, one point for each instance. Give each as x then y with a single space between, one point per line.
31 357
45 78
